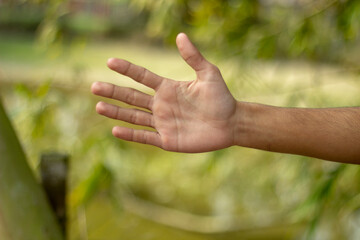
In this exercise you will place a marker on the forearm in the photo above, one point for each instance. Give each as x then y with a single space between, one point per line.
329 133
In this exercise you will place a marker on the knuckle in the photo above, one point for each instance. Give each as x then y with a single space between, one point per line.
142 74
145 73
145 137
193 58
133 117
117 113
129 96
132 135
150 103
126 68
138 136
134 96
213 69
151 122
113 91
188 58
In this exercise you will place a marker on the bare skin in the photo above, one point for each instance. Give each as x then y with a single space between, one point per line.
202 115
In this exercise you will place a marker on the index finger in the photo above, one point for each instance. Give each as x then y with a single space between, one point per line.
139 74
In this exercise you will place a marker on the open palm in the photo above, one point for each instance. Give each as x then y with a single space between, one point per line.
194 116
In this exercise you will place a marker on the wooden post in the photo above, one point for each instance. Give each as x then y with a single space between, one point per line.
54 172
24 210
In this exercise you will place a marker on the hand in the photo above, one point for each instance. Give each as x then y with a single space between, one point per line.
194 116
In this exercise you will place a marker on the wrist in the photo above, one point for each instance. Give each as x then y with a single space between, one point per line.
253 125
241 131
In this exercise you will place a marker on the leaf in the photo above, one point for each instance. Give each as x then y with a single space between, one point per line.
99 178
43 89
23 90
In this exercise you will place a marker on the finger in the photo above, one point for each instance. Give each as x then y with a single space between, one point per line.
133 116
190 53
139 74
140 136
126 95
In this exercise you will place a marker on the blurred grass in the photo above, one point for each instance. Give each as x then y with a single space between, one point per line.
49 102
61 62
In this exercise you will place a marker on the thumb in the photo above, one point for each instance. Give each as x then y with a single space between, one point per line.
190 53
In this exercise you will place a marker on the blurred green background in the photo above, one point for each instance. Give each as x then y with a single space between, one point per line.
297 53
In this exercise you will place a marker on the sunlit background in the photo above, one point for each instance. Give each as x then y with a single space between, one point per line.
297 53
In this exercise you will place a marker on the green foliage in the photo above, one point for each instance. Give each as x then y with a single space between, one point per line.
262 187
321 194
100 178
55 21
320 30
79 23
348 21
20 18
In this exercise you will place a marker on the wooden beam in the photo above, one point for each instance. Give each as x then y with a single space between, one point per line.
24 209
